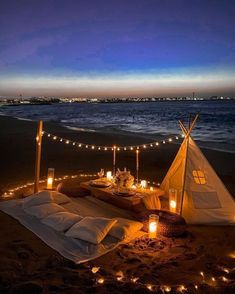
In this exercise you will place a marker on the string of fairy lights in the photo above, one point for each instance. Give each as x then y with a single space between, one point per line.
153 144
10 193
205 279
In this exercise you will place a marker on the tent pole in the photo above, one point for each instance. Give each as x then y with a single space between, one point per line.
114 160
184 178
187 143
38 156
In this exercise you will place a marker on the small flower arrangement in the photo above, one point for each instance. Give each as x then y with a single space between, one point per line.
124 179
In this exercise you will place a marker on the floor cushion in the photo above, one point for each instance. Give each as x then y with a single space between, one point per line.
91 229
61 221
60 198
125 228
42 211
38 199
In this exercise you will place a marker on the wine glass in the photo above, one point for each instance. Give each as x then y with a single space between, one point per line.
101 173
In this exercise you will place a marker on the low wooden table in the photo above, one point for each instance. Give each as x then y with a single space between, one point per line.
129 203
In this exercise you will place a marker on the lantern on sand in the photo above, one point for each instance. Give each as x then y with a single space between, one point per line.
50 178
153 225
173 200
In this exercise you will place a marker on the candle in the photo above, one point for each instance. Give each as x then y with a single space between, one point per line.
109 175
143 184
50 178
173 200
151 189
153 224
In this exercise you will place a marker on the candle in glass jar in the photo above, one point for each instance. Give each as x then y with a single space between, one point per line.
173 200
143 184
153 225
50 178
109 175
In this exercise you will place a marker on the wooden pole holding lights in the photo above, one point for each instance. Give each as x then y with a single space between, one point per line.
114 160
137 166
38 155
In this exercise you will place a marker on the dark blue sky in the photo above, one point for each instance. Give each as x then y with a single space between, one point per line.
106 47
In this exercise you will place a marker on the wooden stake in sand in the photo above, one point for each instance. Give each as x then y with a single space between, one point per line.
114 160
137 166
38 156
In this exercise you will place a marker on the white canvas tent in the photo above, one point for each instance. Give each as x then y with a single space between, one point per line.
202 197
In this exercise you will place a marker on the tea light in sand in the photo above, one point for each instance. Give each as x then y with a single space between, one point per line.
143 184
100 280
109 175
172 199
153 224
95 269
50 178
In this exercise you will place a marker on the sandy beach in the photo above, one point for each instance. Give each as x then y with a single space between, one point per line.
30 266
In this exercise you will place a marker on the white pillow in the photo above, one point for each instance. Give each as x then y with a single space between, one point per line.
125 228
91 229
61 221
60 198
42 211
37 199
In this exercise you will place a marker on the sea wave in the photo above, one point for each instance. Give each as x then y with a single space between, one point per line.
22 118
79 129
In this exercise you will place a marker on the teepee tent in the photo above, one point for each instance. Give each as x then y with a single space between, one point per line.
202 197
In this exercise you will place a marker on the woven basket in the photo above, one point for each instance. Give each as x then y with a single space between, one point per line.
170 224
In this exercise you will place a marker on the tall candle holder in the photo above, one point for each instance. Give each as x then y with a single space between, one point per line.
50 178
173 200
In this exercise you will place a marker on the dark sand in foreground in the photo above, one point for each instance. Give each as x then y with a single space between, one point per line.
27 264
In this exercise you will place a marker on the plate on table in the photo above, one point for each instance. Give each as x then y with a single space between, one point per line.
124 193
100 184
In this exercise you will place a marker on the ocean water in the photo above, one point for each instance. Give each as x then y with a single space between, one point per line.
215 128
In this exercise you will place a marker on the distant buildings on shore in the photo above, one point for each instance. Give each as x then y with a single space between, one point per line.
50 100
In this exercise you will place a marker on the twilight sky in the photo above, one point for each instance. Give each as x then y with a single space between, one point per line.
117 48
